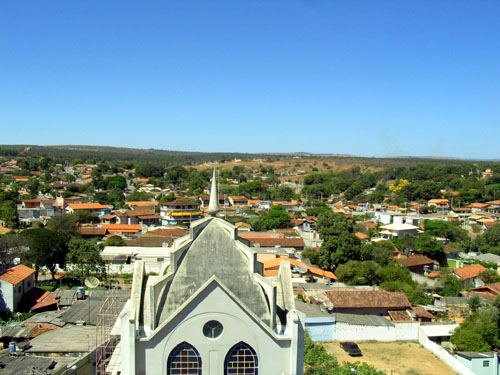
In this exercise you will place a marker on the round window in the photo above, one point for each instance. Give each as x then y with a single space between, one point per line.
212 329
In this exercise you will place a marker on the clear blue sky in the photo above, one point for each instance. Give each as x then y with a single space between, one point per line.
370 78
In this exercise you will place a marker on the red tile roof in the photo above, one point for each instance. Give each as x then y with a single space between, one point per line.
271 267
469 272
489 291
92 231
359 299
170 232
88 206
478 205
124 228
415 260
422 313
17 274
180 202
400 316
361 236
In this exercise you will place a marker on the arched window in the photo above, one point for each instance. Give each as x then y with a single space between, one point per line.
241 359
184 359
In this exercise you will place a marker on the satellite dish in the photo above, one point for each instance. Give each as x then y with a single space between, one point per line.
91 282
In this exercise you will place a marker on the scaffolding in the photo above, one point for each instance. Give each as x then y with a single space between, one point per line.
107 339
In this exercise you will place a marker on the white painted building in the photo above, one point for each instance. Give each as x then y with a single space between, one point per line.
14 284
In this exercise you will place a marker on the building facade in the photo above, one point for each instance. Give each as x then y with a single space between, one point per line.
211 312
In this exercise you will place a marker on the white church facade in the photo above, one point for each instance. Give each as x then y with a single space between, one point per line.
210 312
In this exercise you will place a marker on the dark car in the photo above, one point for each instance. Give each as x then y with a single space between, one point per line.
351 348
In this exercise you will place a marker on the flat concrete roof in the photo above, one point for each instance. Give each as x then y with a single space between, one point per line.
438 330
23 364
69 339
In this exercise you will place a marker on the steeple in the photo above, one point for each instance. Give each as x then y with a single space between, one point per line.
213 205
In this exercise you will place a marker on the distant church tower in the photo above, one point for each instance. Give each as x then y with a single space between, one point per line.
211 311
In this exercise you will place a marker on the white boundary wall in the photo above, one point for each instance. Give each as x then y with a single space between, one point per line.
442 354
398 332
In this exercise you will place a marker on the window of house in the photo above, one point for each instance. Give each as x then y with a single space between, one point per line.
241 359
212 329
29 284
19 290
184 359
486 363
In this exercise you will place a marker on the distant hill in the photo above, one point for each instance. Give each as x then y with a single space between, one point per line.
99 153
136 155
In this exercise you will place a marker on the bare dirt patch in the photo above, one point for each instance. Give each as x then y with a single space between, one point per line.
403 358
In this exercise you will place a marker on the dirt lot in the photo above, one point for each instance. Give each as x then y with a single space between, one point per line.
404 358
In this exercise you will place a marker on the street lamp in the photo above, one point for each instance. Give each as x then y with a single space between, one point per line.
74 367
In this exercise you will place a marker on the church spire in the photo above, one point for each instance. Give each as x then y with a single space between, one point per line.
213 206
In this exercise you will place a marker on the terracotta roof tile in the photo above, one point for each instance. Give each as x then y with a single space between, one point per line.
169 232
88 206
493 289
400 316
469 272
361 236
415 260
180 202
124 228
422 312
17 274
92 231
358 299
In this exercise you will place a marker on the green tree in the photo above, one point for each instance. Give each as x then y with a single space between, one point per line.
11 246
47 248
114 241
339 249
431 248
8 214
332 224
492 235
360 273
311 254
277 217
84 258
474 303
489 277
452 286
117 182
479 332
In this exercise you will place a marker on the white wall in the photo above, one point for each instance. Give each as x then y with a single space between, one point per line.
7 296
129 268
399 332
442 354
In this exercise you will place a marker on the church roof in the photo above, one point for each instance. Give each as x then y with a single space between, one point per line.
214 252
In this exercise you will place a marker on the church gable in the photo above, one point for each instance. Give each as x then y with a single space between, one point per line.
214 252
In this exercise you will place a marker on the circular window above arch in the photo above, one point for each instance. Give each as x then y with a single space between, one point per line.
212 329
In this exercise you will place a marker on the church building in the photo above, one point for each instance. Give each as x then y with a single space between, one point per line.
210 311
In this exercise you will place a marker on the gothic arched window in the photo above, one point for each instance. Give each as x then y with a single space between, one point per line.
184 359
241 359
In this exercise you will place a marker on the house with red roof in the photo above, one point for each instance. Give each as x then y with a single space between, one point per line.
469 274
15 283
270 267
490 291
373 302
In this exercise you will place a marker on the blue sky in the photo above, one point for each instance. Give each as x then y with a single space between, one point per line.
369 78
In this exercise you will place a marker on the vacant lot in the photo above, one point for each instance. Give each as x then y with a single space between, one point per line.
405 358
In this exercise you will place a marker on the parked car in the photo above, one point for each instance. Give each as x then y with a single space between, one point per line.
351 348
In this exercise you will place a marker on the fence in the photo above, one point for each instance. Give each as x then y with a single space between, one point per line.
442 354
